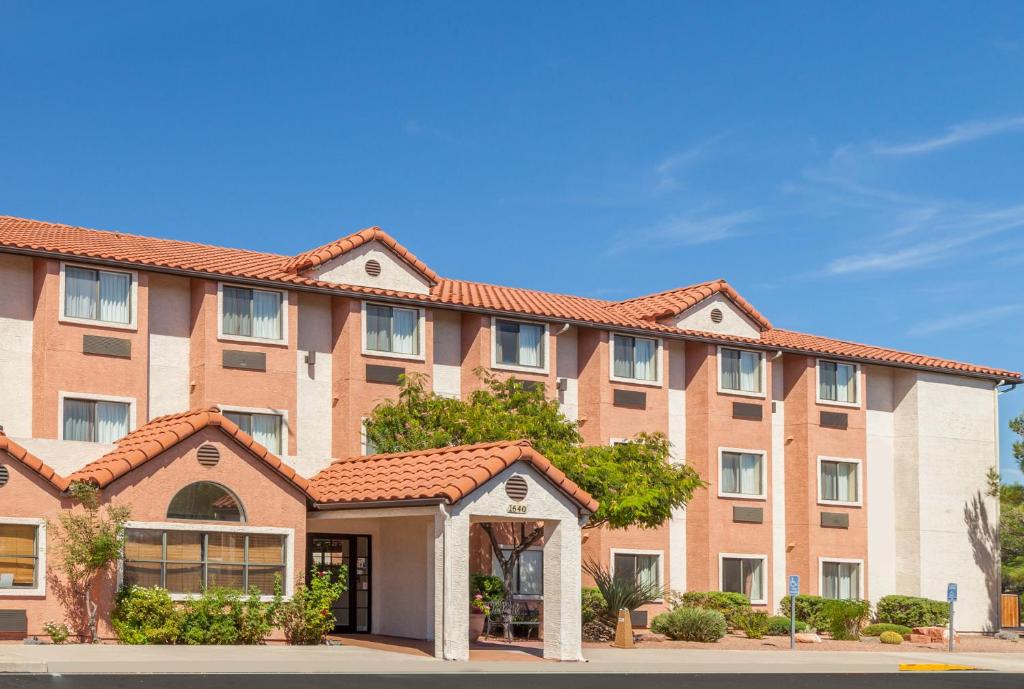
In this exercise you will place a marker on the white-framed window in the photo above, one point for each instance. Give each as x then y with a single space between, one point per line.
519 345
395 331
742 473
266 428
98 296
741 371
528 579
636 359
744 574
841 578
22 556
645 566
248 314
95 418
839 481
838 383
185 559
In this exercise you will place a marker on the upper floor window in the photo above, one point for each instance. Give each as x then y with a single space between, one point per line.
744 574
839 481
255 313
742 474
840 579
741 370
104 296
392 330
264 428
206 501
634 358
837 382
519 344
95 421
19 556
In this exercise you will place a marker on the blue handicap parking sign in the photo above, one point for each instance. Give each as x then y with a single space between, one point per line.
951 593
794 584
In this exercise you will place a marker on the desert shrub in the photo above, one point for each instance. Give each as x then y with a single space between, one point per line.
146 615
487 585
844 618
307 617
593 605
731 605
755 624
808 609
778 625
910 611
620 592
877 628
57 631
690 624
890 638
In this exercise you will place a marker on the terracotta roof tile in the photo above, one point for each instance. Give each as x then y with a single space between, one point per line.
161 434
327 252
32 462
656 307
445 474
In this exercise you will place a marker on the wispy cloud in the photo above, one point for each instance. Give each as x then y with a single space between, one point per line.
667 171
963 320
683 229
953 136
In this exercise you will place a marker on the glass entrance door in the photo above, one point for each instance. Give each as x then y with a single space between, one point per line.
332 551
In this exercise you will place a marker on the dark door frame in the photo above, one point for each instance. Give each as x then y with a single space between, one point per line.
351 592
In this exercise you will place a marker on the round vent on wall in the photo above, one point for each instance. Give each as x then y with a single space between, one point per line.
716 315
208 455
373 267
516 488
3 476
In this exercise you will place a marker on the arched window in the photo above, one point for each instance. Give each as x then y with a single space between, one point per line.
206 501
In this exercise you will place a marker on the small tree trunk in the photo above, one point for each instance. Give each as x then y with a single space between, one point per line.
508 564
90 610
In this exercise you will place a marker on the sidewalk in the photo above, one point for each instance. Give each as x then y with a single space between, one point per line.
75 659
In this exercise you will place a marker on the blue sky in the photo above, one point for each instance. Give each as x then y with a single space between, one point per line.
853 170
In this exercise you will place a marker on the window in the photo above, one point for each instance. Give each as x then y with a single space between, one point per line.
837 382
742 474
741 371
206 501
645 569
528 579
840 580
392 330
839 481
97 295
634 358
95 421
264 428
19 556
519 344
186 562
252 313
743 574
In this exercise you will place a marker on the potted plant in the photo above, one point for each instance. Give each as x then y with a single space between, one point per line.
479 610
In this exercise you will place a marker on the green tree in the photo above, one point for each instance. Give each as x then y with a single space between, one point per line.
89 540
634 483
1011 520
1017 426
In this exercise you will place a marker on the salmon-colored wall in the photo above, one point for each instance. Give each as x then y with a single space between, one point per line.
476 353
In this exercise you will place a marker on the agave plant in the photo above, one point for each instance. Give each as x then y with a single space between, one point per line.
621 592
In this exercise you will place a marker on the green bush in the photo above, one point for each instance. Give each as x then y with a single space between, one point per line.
877 628
808 609
307 617
57 631
890 638
593 605
731 605
779 626
146 616
844 618
912 612
690 624
211 619
487 585
755 624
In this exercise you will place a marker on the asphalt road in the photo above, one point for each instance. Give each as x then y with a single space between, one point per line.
912 680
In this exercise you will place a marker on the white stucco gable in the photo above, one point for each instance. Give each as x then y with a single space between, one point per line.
699 317
350 269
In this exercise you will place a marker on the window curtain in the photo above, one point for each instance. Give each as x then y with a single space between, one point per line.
531 572
111 421
79 293
266 315
237 319
750 372
529 345
115 297
378 328
78 420
730 472
750 474
647 569
240 420
266 430
405 339
624 356
730 369
18 553
839 481
845 383
645 363
841 580
754 580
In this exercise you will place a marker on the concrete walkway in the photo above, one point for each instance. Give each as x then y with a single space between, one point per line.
75 659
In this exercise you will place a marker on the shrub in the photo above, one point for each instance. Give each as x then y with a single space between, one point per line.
620 592
307 617
912 612
844 618
487 585
211 619
890 638
779 626
808 609
690 624
57 631
144 615
878 628
755 624
731 605
593 605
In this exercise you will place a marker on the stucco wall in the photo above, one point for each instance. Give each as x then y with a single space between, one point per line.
16 344
447 353
734 321
880 484
350 269
170 308
313 377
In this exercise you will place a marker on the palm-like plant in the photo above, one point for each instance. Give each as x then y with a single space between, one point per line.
620 592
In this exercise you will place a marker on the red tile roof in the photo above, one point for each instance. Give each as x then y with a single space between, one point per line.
446 474
161 434
35 464
641 313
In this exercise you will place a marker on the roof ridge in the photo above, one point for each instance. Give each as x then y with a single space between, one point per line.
319 255
602 302
523 442
652 295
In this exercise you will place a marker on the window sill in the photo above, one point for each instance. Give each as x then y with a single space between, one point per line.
180 597
741 393
541 371
836 403
636 381
395 355
252 340
838 503
23 593
743 496
126 327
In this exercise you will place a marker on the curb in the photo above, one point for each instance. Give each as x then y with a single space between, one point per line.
34 667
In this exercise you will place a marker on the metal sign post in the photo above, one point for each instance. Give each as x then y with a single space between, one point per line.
951 598
794 590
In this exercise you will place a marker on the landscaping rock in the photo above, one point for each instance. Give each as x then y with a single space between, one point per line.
933 633
918 638
808 638
1007 635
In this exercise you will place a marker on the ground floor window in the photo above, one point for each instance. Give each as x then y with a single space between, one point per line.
185 561
744 574
528 579
840 580
639 567
19 556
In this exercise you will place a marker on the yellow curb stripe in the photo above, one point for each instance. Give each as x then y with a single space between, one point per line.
933 667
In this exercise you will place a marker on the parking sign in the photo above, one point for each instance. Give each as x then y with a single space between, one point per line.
794 584
951 593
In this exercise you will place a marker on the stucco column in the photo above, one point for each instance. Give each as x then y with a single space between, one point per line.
562 626
455 554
